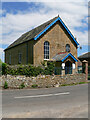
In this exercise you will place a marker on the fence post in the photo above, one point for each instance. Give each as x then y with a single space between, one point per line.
86 69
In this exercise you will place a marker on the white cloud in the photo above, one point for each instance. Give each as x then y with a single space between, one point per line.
82 37
0 11
71 12
1 50
43 1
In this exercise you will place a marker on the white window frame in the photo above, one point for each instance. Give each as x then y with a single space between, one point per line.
47 50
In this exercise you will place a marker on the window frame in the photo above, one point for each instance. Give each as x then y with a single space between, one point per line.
46 51
20 58
9 59
66 47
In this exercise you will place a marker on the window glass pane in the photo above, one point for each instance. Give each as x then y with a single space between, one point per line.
9 59
46 50
48 53
20 57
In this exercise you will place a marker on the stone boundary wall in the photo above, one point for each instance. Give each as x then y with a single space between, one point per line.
42 80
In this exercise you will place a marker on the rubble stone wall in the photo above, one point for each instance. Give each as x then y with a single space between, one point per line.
42 80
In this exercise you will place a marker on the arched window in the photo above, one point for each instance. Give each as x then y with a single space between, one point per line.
67 48
46 50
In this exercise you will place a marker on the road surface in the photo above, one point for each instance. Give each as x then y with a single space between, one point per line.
62 102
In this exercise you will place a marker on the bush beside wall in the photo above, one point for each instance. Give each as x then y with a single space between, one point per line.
28 70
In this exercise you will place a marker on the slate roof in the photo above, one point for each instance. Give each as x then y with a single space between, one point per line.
84 56
34 32
60 57
31 34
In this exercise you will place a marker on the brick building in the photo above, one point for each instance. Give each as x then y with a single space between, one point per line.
51 41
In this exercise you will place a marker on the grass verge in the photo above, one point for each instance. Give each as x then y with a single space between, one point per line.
74 84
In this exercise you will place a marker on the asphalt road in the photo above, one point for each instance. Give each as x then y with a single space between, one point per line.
62 102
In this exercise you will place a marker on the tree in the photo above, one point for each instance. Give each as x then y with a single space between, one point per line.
0 61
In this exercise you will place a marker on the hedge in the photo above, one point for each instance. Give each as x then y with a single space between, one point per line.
28 70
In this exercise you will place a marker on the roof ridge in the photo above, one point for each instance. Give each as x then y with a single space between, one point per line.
48 24
31 31
36 32
40 25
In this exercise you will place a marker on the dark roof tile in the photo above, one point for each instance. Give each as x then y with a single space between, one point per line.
31 34
59 57
86 55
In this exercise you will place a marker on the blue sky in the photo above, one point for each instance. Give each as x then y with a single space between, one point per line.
20 17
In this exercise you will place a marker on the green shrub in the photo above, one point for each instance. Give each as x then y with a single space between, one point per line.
88 77
21 86
28 70
5 85
49 70
43 63
34 85
4 68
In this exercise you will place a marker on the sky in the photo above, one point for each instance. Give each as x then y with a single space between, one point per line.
16 18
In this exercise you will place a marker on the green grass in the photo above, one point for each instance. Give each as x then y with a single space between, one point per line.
73 84
5 85
34 86
21 86
82 82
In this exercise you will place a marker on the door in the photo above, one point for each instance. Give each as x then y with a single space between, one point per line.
68 67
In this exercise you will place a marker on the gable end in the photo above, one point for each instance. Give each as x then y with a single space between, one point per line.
58 19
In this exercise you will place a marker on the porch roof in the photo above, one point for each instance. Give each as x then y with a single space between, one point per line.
62 57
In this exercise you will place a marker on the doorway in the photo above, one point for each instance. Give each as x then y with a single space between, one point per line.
68 67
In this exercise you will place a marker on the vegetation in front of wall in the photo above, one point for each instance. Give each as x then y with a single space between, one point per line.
89 77
34 86
5 85
4 68
21 86
0 67
28 70
49 70
44 63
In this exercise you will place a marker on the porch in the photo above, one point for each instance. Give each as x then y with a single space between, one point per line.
65 68
65 63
